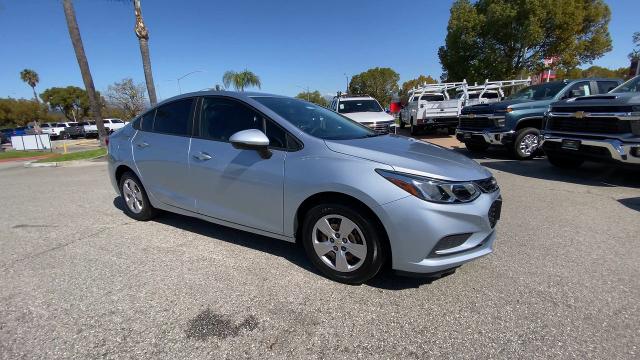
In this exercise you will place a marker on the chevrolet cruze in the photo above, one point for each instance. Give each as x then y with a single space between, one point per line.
295 171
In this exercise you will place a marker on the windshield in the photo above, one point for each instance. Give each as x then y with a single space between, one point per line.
353 106
632 85
73 124
315 120
538 92
61 125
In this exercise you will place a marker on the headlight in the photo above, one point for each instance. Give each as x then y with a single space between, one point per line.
438 191
508 109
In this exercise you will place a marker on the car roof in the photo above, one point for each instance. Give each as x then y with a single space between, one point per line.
245 95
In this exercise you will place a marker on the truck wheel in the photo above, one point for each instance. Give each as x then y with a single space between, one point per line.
526 143
402 124
476 146
564 162
413 128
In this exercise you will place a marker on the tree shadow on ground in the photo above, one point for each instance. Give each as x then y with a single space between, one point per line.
294 253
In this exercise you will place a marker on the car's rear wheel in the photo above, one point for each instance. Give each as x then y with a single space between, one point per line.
137 204
476 146
414 128
564 162
343 244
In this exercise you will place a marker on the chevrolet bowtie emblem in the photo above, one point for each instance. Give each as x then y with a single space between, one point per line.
579 114
472 115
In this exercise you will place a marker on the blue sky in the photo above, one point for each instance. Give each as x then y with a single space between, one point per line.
289 44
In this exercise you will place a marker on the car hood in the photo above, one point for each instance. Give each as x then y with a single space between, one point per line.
500 106
412 156
610 99
369 116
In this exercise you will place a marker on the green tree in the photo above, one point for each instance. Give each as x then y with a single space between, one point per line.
314 97
496 39
78 47
381 83
410 84
128 97
592 71
72 101
635 53
32 79
18 112
241 80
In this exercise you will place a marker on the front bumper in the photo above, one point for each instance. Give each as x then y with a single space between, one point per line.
415 227
486 136
594 149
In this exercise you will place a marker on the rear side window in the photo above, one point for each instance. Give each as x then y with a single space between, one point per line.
173 118
147 121
606 86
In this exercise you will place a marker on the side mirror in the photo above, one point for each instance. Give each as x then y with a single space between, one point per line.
251 139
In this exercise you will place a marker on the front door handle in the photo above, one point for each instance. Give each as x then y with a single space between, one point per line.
202 156
143 145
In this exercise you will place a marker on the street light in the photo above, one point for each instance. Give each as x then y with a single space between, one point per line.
347 90
184 76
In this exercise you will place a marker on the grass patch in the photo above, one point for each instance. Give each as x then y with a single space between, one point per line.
15 154
80 155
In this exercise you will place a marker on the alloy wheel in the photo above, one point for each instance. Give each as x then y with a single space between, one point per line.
339 243
529 144
132 196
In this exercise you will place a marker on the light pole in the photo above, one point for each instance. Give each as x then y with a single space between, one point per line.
307 91
184 76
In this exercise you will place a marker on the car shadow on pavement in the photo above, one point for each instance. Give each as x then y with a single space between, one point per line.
294 253
632 203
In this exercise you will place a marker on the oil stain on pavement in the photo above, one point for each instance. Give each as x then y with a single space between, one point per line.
207 324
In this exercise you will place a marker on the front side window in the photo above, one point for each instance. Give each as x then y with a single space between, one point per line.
220 118
544 91
579 89
632 85
173 118
147 121
606 86
354 106
315 120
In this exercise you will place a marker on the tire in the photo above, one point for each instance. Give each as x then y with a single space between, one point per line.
526 143
414 128
564 162
140 199
402 124
476 146
451 131
325 252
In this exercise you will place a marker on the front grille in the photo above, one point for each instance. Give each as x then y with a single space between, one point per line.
591 109
477 123
380 128
477 109
590 125
494 212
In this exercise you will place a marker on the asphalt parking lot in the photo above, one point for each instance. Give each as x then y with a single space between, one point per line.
82 280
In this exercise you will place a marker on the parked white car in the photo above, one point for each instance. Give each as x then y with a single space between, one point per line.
113 124
90 129
363 109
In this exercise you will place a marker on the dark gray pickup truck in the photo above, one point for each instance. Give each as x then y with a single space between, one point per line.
603 128
516 122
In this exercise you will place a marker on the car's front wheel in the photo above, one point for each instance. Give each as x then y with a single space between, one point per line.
137 204
526 143
343 244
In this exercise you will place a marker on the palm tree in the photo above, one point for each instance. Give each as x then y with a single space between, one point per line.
241 80
76 40
143 38
31 77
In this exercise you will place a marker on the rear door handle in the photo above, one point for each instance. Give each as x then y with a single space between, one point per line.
143 145
202 156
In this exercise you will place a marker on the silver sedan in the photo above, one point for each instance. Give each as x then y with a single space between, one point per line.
295 171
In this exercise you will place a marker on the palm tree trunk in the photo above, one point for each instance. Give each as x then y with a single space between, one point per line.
35 95
143 38
76 40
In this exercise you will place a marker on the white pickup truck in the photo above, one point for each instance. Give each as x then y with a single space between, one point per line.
430 107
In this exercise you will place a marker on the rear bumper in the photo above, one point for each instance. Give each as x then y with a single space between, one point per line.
486 136
594 149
